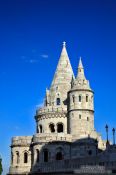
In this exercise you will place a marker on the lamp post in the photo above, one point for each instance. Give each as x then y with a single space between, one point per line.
106 131
113 131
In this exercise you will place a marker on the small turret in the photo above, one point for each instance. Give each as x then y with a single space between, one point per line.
81 108
81 82
80 74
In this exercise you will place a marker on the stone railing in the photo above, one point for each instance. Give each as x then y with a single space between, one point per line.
22 140
52 137
75 166
50 109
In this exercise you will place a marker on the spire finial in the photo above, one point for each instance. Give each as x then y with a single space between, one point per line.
64 43
80 62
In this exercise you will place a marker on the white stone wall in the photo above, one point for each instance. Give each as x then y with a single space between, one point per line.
81 127
20 146
81 114
89 105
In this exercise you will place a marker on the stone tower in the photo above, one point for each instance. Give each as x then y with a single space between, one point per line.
68 106
81 108
52 118
61 84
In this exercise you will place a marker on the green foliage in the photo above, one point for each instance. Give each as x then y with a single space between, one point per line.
1 166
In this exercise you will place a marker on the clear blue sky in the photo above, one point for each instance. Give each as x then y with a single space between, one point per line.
31 35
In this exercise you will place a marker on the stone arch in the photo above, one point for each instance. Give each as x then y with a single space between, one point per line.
38 155
52 127
37 129
17 157
25 157
59 153
45 155
40 128
58 101
60 127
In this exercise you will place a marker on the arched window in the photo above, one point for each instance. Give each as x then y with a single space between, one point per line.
11 158
17 157
87 118
40 128
73 97
79 98
59 127
45 155
51 126
59 156
46 102
86 98
25 157
59 153
37 151
79 116
58 101
37 129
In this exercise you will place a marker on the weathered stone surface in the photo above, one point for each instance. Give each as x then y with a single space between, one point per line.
64 127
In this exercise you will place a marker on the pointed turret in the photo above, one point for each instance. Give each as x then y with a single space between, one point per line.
80 63
80 74
81 82
81 106
61 83
64 69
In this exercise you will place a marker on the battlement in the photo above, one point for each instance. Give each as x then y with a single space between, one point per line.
50 109
21 140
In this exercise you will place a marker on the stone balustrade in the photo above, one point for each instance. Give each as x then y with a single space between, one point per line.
75 166
22 140
50 109
52 137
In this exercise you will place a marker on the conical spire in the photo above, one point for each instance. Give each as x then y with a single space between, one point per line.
81 82
80 74
64 54
64 70
61 83
80 63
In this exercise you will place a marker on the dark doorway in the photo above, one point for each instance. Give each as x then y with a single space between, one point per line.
59 156
45 155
